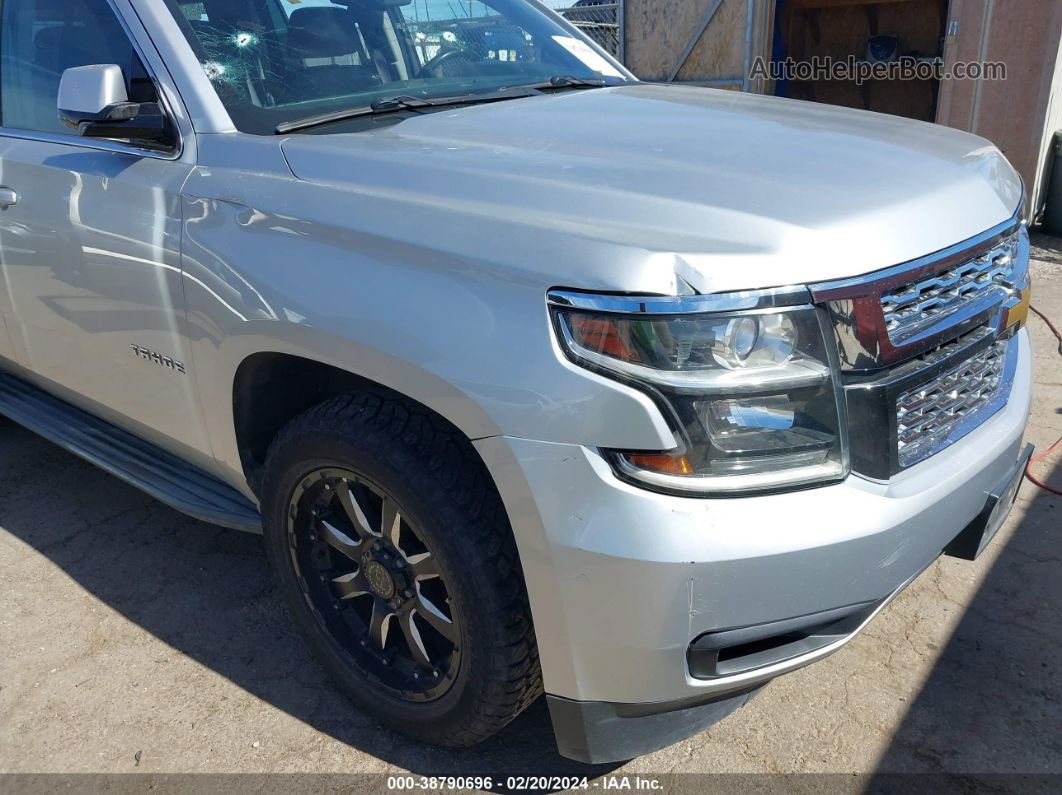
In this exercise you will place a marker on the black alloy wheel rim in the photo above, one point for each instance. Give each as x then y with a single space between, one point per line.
373 584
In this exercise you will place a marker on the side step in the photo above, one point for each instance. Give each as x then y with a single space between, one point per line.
139 463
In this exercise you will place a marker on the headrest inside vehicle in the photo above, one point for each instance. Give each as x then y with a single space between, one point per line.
322 32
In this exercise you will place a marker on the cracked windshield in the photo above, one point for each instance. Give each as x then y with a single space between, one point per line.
291 64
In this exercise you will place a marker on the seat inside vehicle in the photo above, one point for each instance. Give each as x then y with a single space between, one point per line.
328 44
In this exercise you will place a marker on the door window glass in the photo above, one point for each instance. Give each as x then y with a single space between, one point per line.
43 38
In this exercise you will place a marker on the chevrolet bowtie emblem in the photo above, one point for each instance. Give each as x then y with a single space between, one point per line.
1017 308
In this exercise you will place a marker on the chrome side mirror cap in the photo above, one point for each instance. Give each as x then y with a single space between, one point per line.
91 93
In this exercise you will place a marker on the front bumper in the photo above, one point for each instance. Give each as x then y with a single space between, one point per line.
622 580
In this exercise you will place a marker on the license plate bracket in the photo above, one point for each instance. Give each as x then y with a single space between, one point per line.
978 534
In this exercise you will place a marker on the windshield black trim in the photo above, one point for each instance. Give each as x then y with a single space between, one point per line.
401 104
412 104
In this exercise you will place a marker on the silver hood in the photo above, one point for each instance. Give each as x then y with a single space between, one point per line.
728 190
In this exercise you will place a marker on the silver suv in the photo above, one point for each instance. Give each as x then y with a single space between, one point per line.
536 377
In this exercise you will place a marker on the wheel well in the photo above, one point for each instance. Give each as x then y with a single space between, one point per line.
270 389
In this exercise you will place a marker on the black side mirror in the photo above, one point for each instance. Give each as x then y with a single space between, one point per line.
140 121
93 101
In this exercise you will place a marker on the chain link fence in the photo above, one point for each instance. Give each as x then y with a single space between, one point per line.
601 20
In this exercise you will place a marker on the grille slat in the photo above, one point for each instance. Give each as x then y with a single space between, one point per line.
936 413
914 307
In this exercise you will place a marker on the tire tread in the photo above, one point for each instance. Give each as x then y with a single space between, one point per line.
447 471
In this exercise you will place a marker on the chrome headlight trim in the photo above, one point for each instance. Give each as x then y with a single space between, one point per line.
743 300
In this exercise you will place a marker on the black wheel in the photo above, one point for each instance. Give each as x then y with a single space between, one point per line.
395 555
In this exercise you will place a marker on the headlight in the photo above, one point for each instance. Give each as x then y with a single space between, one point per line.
750 394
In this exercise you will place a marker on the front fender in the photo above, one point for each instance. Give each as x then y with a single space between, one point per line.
471 342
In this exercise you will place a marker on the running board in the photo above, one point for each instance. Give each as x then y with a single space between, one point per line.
136 461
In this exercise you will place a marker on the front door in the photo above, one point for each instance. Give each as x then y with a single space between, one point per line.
90 247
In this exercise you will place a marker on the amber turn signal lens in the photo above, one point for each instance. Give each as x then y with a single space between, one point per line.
602 335
665 464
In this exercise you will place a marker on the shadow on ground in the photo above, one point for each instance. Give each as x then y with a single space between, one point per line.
208 593
1047 248
992 704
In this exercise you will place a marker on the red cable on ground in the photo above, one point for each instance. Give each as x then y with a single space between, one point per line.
1036 459
1050 325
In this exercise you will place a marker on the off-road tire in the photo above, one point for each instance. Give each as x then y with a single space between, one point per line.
433 471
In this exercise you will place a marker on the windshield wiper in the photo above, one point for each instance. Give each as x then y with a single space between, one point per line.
569 81
401 103
564 81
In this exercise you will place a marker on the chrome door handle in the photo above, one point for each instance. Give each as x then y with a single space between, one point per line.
8 197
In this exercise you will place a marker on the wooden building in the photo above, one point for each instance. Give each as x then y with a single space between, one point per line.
717 43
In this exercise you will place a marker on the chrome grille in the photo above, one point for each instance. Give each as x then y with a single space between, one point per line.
913 307
940 412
